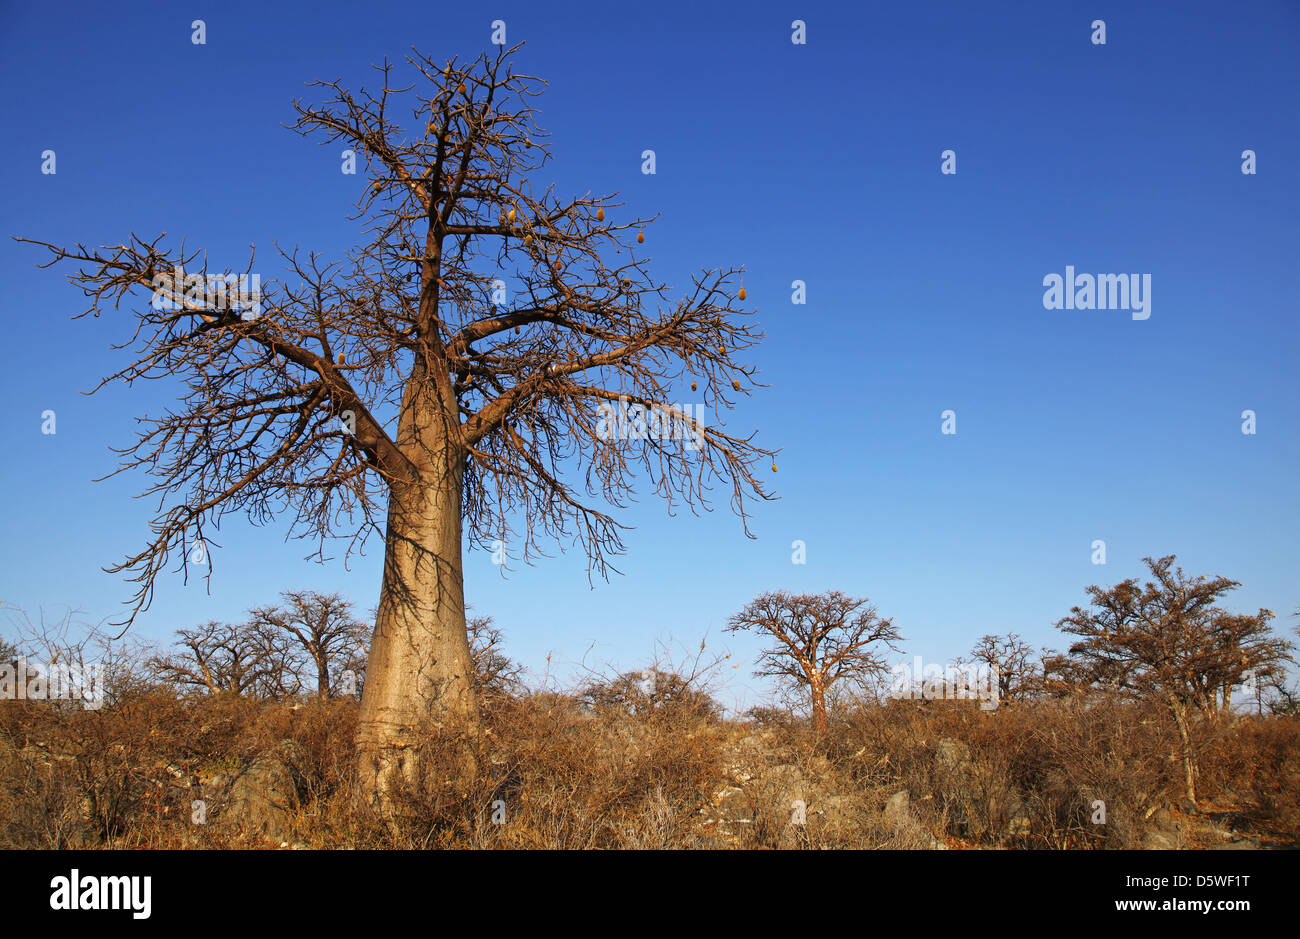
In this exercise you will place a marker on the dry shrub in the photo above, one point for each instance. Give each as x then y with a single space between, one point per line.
565 772
1261 767
615 765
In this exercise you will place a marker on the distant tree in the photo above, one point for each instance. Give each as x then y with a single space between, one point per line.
324 634
1013 661
70 642
819 640
650 691
222 657
1168 642
495 674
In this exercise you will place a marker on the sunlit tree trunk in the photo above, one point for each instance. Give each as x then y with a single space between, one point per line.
1189 756
818 702
419 678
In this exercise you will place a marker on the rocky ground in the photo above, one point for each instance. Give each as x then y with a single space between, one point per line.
771 797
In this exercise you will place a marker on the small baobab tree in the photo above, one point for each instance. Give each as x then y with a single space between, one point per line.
819 640
322 631
492 365
1012 660
1167 641
229 658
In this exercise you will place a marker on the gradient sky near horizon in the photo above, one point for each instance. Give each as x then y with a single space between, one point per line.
817 162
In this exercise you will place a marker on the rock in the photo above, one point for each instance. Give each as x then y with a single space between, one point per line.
898 807
261 799
1156 840
1164 820
979 800
1245 844
1019 824
787 782
951 754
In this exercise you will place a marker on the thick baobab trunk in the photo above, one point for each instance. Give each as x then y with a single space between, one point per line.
818 703
419 680
322 677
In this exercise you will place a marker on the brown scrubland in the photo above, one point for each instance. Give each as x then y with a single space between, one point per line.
644 760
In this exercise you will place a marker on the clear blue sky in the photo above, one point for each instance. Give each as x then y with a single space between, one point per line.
818 162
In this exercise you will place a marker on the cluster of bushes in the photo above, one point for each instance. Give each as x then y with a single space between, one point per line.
243 733
609 767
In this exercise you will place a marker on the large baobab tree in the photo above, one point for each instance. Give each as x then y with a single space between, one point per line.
463 374
1169 642
819 640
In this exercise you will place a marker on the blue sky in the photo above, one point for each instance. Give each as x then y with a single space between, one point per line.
818 162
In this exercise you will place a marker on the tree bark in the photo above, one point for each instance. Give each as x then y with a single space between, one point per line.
818 704
322 677
1189 757
419 677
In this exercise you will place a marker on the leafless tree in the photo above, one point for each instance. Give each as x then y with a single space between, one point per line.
400 385
1167 641
495 673
106 667
1011 659
820 640
322 630
222 657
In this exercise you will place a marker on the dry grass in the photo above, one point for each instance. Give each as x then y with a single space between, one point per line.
595 769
